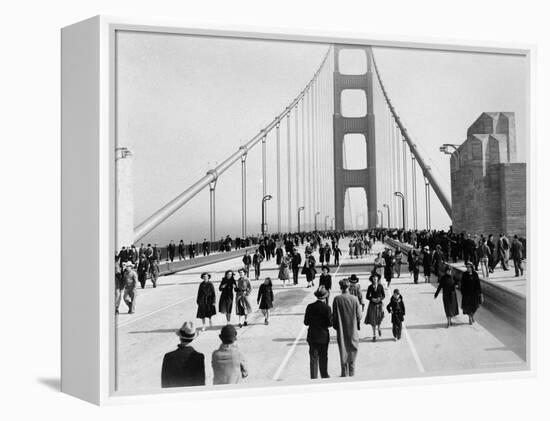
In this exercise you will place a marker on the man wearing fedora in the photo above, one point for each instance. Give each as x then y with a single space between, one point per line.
346 320
184 366
228 362
318 319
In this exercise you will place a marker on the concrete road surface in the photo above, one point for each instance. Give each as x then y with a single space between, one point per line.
278 353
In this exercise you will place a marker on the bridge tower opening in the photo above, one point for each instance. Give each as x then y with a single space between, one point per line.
344 124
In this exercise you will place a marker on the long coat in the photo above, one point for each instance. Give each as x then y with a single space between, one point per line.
470 287
226 297
206 300
242 300
183 367
346 319
448 285
265 297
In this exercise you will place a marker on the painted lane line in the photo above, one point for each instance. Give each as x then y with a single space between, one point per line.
129 322
413 351
293 347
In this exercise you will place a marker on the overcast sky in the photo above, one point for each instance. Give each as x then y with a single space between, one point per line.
186 103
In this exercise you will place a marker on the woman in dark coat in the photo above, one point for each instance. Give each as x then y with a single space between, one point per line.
470 287
206 300
227 285
375 311
265 298
448 285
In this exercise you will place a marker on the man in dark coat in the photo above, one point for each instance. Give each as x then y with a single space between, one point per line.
184 366
181 250
295 265
171 250
337 253
257 260
247 261
318 319
516 253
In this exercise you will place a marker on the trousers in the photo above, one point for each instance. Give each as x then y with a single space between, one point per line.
318 360
396 329
130 295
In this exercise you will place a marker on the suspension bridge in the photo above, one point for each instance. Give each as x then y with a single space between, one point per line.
309 191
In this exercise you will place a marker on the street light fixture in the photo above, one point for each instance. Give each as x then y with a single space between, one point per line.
445 148
381 218
265 199
389 219
402 196
301 208
316 214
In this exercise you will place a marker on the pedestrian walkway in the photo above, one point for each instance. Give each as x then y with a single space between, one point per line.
279 352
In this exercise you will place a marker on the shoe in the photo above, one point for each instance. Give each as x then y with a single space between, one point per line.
240 325
374 338
266 322
379 332
246 323
395 339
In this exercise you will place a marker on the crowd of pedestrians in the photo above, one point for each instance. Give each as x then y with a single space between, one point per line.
430 254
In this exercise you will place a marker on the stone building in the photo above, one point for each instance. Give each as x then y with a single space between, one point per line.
488 184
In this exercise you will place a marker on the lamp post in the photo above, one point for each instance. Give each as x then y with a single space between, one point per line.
265 199
381 218
326 219
389 219
402 196
428 204
315 219
301 208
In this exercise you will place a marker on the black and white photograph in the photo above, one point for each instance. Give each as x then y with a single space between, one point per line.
295 212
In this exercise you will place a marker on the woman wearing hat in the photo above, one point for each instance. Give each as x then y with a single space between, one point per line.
448 285
243 290
227 285
470 287
375 310
355 289
206 300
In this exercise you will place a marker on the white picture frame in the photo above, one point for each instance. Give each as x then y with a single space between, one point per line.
88 200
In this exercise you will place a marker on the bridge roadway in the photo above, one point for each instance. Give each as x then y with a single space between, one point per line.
278 352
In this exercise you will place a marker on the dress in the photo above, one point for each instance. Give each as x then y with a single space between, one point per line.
241 299
265 297
375 311
471 292
447 284
226 298
206 300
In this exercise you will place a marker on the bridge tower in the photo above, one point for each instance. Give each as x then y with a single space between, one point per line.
346 178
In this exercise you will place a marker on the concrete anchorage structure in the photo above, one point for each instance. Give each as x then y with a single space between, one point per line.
347 178
488 183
